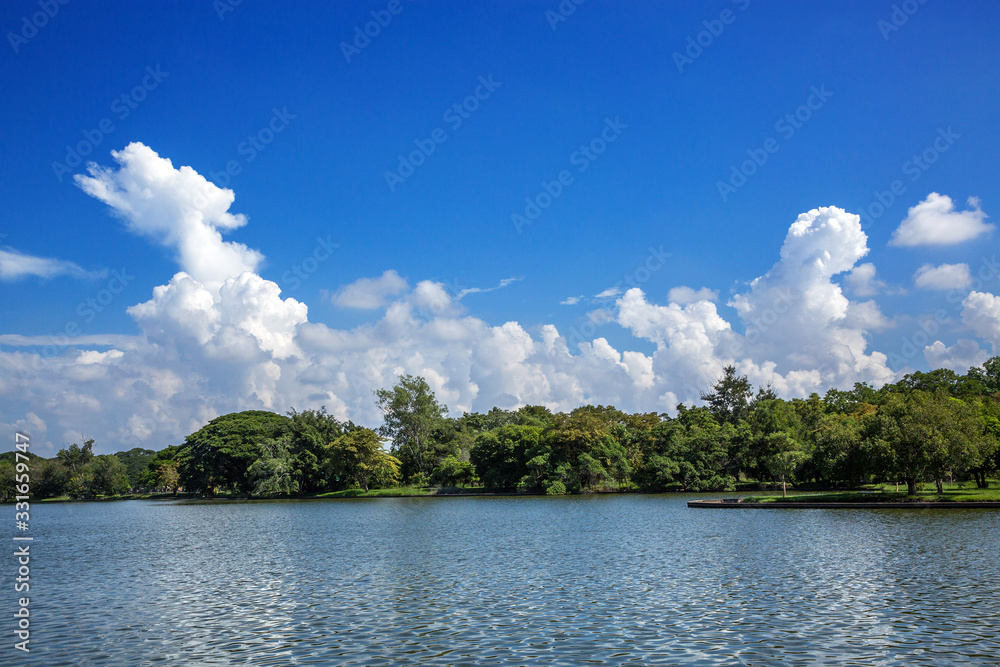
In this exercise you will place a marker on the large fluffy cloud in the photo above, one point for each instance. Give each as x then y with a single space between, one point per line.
934 221
218 337
178 208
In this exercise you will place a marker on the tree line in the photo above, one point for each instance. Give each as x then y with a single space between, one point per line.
928 427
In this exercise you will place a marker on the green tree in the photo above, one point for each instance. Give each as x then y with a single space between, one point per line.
500 456
453 471
49 478
136 461
357 458
273 474
410 413
76 457
220 454
110 477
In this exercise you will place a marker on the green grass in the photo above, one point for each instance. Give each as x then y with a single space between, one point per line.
953 492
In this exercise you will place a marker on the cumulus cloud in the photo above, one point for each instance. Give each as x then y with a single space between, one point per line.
934 221
861 280
370 293
683 295
217 341
946 276
15 265
798 318
177 208
981 313
959 357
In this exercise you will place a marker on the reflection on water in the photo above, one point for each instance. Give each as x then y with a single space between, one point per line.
616 580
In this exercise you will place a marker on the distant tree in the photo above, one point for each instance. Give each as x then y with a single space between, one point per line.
220 454
929 434
76 457
787 454
110 477
49 478
167 477
136 461
500 456
453 471
732 398
7 486
357 458
273 474
410 413
312 432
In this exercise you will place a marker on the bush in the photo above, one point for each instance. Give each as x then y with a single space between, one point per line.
556 489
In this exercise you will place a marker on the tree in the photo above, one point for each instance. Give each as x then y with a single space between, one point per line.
453 472
273 474
931 433
731 399
787 455
410 412
220 453
76 457
357 457
136 461
311 432
500 456
167 477
110 477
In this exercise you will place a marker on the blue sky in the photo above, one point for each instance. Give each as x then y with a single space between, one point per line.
200 79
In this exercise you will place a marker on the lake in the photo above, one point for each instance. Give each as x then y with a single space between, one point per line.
598 580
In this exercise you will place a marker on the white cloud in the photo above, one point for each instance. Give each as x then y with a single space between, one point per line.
946 276
862 282
370 293
609 293
981 313
934 221
960 357
571 300
683 295
225 340
15 265
177 208
479 290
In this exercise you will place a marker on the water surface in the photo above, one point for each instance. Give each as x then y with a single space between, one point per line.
606 580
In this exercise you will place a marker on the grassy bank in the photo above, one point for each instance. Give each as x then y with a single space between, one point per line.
881 493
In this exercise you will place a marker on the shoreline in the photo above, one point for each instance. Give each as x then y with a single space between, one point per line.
737 503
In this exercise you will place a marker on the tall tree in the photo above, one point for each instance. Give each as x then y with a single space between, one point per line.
410 413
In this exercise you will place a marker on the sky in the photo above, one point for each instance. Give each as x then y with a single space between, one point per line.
220 205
